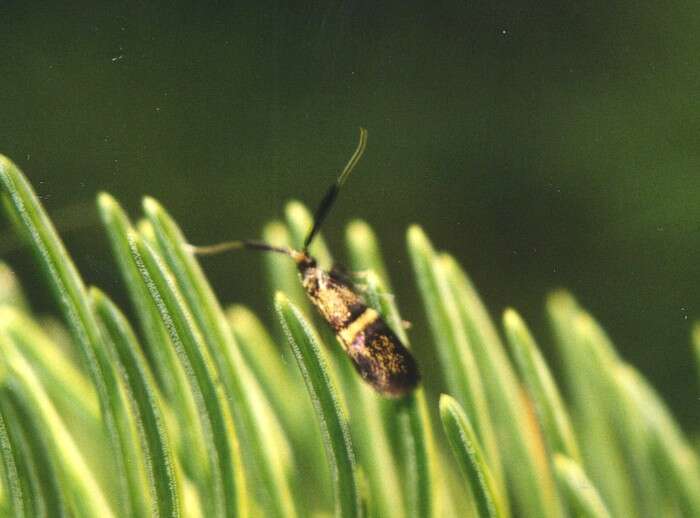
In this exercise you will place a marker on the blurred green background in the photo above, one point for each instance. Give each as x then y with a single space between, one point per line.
545 144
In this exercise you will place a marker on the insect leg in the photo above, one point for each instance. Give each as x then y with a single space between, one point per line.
239 245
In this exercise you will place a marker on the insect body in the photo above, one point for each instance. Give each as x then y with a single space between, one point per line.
376 352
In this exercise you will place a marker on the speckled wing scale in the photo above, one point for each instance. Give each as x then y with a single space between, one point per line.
376 352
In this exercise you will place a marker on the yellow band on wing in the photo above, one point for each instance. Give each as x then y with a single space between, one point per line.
358 325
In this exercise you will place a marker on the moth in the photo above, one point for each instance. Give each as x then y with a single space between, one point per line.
374 349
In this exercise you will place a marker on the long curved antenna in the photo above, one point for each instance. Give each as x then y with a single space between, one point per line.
239 245
327 201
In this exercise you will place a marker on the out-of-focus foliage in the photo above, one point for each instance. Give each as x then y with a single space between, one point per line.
197 411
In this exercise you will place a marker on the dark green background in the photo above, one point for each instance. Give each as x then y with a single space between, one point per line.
545 144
